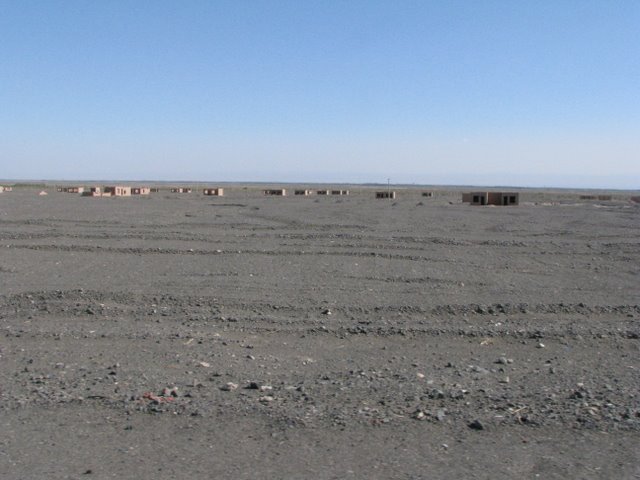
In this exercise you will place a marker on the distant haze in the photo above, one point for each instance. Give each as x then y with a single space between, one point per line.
458 92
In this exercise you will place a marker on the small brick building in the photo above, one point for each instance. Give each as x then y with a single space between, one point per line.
117 191
491 198
277 192
215 192
92 192
387 194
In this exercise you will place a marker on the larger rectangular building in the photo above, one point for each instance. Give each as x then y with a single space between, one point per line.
117 191
491 198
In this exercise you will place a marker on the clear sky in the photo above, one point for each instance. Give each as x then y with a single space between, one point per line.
531 93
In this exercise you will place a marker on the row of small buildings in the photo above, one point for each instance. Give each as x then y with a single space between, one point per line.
473 198
495 198
109 191
282 192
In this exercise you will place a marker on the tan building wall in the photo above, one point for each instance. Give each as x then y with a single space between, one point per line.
117 191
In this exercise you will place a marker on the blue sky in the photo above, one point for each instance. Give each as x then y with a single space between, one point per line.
543 93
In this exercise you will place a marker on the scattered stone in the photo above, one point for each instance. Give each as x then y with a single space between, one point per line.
266 399
204 364
326 312
476 425
170 392
229 387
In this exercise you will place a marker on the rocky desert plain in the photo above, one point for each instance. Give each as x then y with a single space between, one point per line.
180 336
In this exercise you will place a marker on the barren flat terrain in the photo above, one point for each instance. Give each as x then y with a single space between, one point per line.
184 336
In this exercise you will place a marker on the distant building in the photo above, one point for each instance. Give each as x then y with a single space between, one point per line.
215 192
181 190
602 198
322 192
427 194
155 190
92 192
140 190
117 191
302 192
278 192
339 192
71 189
387 194
491 198
7 189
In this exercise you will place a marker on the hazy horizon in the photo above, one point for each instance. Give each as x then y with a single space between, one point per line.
267 181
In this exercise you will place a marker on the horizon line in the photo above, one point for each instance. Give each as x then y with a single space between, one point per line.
26 182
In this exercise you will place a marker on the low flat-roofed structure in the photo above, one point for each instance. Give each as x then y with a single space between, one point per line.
491 198
73 189
140 190
7 189
92 192
387 194
322 192
427 194
275 192
117 191
215 192
302 192
154 190
601 198
339 192
181 190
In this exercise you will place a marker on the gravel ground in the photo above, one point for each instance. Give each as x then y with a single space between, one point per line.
183 336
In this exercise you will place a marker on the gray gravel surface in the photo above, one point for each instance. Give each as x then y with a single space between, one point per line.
183 336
